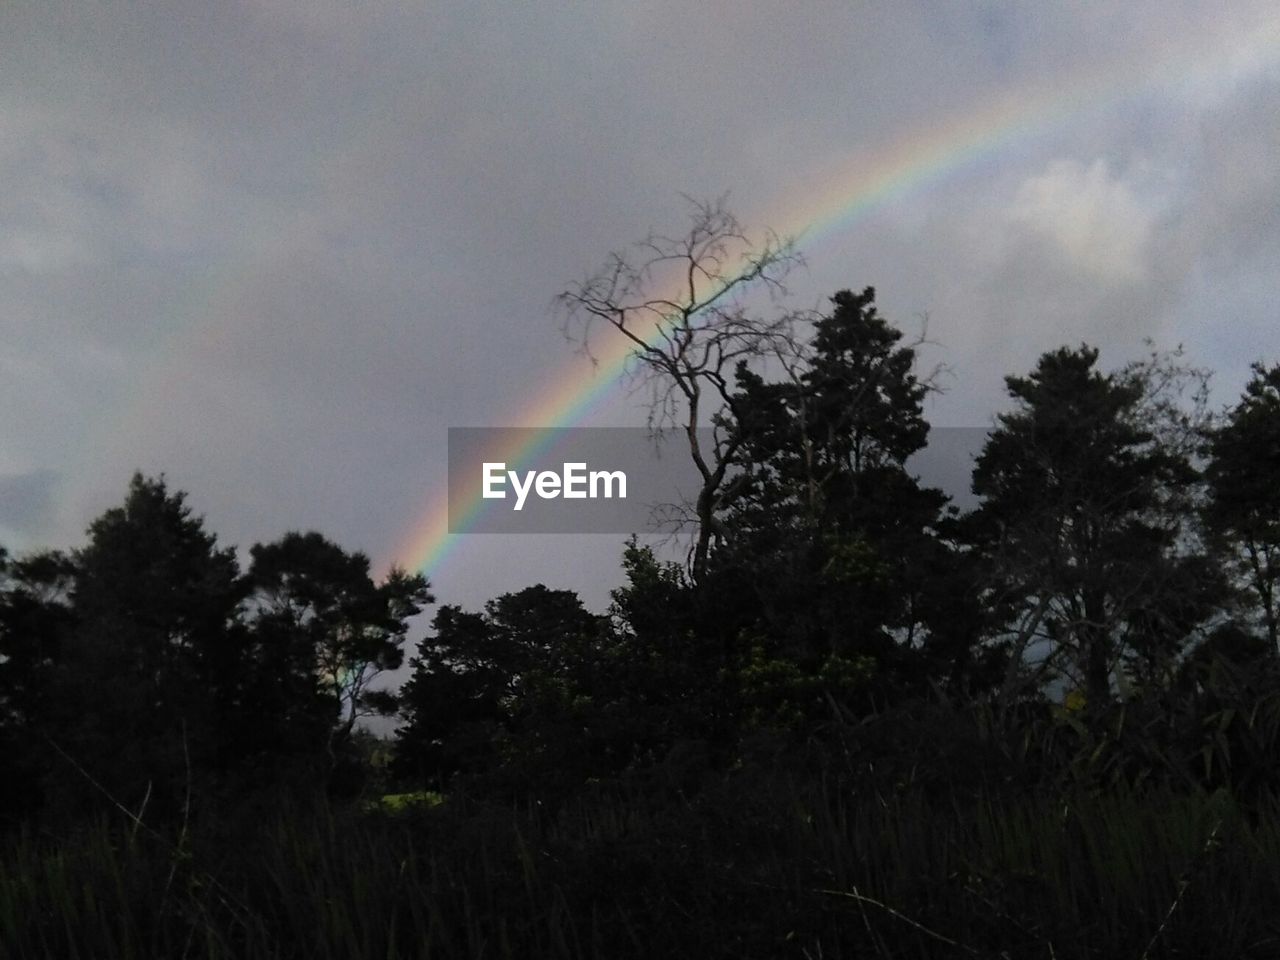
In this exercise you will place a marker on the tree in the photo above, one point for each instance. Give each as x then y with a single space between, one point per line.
850 412
507 688
674 659
826 531
34 619
678 302
138 693
329 630
1244 486
1085 489
34 616
131 670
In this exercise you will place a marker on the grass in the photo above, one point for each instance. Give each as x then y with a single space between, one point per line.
781 869
404 802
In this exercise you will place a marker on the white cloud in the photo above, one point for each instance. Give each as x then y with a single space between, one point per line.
1099 222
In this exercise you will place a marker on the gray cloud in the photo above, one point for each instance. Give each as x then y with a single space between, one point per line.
276 249
26 500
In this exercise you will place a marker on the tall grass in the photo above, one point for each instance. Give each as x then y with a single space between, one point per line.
801 870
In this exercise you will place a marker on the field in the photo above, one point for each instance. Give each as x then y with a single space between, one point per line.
759 869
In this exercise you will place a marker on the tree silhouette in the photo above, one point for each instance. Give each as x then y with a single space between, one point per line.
1085 488
678 302
500 687
1244 486
824 528
331 631
142 679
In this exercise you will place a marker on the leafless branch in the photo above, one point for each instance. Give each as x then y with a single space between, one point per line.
678 301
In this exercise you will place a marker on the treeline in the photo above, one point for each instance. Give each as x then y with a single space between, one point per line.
1107 613
146 671
857 722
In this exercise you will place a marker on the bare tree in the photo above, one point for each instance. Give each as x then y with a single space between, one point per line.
679 301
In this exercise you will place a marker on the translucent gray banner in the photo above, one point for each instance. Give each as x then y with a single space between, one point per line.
619 480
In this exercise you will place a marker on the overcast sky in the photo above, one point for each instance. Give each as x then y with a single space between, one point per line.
276 249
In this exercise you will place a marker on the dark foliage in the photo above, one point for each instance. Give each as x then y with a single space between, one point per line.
861 723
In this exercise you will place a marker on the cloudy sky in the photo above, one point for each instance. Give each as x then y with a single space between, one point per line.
275 249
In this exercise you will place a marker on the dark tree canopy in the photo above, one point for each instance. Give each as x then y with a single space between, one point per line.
327 630
1244 494
146 673
1079 625
500 686
1081 522
860 714
144 666
823 525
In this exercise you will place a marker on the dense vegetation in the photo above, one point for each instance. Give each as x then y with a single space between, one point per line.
858 723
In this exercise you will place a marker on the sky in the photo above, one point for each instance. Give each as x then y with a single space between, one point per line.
275 249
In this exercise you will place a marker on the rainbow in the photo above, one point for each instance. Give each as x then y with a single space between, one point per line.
870 182
873 182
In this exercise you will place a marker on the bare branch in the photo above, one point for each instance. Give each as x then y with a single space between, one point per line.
678 302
